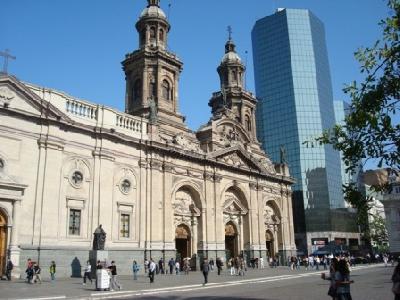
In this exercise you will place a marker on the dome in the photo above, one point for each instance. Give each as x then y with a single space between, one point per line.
231 57
153 11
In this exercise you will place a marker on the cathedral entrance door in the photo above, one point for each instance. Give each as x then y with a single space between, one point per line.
3 242
182 243
231 241
269 241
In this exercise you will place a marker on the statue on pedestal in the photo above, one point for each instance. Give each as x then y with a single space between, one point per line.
283 154
99 238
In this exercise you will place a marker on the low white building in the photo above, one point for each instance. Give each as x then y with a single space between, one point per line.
390 201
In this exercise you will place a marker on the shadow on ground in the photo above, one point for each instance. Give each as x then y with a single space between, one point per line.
187 297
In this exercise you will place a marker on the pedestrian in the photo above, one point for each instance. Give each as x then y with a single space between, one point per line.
342 278
317 262
36 272
385 259
332 271
146 265
152 269
242 267
161 266
9 268
396 282
205 268
186 266
87 273
135 269
211 263
219 265
29 273
114 284
52 271
231 265
177 267
171 265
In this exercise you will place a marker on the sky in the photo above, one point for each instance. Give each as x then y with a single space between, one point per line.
77 46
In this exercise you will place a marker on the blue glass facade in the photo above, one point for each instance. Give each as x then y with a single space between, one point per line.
293 85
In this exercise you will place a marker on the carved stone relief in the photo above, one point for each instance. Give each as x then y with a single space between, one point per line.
183 142
184 205
6 95
271 218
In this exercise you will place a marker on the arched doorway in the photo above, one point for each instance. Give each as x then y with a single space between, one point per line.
182 242
231 240
3 242
269 243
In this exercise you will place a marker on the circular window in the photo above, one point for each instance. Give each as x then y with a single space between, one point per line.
125 186
1 165
77 178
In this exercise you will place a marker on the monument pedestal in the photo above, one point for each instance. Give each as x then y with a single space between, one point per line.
94 256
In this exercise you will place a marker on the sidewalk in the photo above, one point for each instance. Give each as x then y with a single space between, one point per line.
73 288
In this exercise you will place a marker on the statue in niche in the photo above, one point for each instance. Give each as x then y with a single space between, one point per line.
99 238
153 110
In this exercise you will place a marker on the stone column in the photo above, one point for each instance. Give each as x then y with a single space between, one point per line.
14 248
194 235
240 233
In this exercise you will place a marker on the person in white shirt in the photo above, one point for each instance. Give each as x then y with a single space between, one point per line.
177 266
87 273
152 270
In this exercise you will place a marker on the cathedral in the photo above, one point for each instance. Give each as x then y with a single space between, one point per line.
157 188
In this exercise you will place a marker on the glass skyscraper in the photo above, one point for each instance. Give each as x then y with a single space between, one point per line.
294 89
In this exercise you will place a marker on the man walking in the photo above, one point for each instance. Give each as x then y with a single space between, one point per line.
171 265
219 265
205 269
114 284
9 268
152 269
87 273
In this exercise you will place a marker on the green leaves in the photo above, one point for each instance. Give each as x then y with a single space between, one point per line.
371 129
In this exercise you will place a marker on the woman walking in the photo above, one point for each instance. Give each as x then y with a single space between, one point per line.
332 271
53 271
342 278
135 269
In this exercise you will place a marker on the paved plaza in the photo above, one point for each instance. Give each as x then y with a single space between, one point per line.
280 283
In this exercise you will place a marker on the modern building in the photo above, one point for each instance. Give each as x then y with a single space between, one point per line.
293 85
157 188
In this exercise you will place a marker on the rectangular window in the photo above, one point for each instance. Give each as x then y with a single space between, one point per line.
74 221
125 220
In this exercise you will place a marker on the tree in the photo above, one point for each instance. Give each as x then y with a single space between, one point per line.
370 130
378 232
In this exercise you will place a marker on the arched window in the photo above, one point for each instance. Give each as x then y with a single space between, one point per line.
234 76
161 35
166 90
137 91
247 122
152 32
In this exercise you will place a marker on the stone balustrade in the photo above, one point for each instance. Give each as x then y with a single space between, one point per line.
81 109
88 113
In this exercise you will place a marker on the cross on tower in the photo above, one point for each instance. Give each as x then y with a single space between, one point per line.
6 54
229 32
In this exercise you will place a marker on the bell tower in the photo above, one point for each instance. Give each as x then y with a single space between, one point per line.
152 72
233 101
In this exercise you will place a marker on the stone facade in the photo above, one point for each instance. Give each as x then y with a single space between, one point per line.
157 188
